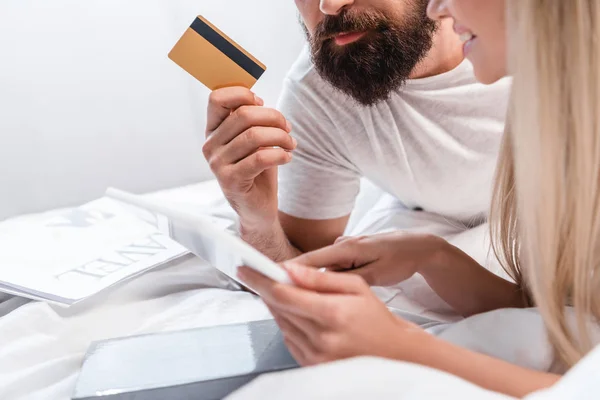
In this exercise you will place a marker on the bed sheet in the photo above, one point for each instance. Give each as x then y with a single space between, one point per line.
372 378
42 346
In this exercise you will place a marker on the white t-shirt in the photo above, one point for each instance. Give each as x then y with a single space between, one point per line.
433 144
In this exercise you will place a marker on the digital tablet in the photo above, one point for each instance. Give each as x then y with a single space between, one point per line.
202 237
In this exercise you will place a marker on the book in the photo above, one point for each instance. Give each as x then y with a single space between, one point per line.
81 251
203 364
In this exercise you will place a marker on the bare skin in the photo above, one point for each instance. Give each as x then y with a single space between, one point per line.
390 258
241 134
331 316
323 318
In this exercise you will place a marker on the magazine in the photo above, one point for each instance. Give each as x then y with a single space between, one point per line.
82 251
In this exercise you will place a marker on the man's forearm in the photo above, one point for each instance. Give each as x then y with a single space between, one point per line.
271 241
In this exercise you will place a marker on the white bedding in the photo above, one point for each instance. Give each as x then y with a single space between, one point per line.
371 378
42 346
363 379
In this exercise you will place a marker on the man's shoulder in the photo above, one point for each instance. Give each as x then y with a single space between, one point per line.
302 69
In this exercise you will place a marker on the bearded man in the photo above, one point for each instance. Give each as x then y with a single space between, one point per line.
380 92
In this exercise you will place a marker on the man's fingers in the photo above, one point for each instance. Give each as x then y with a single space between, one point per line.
244 118
252 166
253 139
324 282
222 101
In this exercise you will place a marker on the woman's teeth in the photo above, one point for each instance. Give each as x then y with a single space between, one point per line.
465 37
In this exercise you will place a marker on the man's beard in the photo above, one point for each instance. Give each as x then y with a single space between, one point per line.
370 69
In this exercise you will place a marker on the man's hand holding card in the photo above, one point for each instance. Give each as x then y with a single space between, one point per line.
245 141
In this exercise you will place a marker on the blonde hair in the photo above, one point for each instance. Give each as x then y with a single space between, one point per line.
545 217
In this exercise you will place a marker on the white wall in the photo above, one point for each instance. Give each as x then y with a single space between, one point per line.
89 99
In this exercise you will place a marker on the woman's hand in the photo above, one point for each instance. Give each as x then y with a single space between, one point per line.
328 317
390 258
381 260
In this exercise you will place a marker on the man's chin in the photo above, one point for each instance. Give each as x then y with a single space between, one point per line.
368 100
360 73
360 92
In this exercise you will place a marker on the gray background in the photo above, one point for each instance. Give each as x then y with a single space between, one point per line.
89 99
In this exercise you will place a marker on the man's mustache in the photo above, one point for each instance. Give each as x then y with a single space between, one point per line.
348 21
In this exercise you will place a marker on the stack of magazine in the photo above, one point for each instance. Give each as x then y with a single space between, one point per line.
82 251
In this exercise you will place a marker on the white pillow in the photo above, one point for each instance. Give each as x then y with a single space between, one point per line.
89 99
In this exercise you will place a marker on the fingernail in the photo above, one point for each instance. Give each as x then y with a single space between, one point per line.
289 126
259 101
295 142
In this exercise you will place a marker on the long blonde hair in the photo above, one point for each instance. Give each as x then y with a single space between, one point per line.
545 218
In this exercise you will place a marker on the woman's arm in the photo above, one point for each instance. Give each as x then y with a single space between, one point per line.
327 317
390 258
467 286
487 372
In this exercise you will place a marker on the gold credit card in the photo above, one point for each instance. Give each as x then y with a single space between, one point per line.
214 59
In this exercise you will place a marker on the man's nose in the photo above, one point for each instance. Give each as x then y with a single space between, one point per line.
437 9
334 7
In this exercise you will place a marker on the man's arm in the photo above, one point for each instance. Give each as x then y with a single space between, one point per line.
246 143
290 236
308 235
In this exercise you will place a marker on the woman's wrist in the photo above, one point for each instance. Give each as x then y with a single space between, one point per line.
417 346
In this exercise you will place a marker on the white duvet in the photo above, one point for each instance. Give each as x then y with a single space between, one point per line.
371 378
42 347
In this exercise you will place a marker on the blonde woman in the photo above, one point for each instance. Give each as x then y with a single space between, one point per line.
545 217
